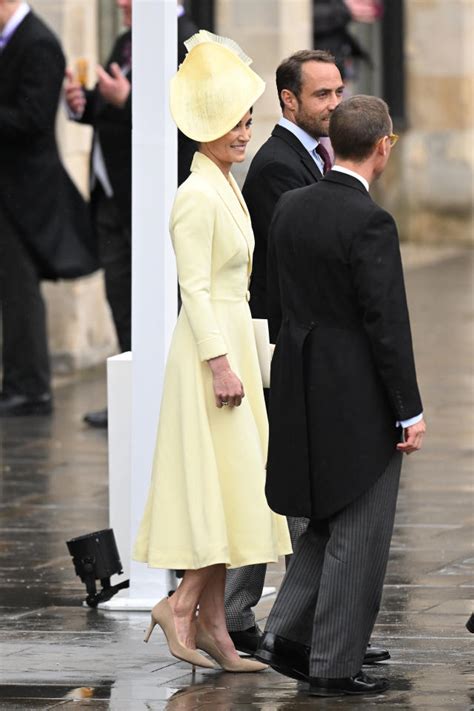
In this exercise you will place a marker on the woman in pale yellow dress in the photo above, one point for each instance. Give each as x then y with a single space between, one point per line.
206 508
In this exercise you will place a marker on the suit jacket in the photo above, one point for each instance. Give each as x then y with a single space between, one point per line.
36 193
343 370
113 127
281 164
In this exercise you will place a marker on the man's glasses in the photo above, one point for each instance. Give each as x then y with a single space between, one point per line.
392 137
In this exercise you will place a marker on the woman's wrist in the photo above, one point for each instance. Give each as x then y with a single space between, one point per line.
219 365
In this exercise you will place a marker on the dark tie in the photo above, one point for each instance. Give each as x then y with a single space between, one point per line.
324 155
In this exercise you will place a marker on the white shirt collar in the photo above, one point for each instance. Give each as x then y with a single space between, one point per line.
340 169
15 20
308 141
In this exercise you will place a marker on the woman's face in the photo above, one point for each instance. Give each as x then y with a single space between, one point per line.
231 147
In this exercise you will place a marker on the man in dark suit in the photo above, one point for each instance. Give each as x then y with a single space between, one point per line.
344 407
108 108
309 88
44 223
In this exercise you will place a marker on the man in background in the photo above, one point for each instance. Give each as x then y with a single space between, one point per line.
44 222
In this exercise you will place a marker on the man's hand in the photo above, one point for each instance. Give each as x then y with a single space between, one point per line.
74 94
114 89
413 437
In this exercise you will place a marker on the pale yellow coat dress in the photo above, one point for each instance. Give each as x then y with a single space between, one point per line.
206 502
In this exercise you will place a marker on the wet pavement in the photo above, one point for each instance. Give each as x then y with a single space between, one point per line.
55 653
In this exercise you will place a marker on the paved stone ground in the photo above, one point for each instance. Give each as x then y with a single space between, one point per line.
54 653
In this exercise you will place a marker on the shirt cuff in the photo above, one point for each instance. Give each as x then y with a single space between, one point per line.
410 422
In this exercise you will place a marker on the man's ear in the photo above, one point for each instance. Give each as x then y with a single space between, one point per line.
289 100
382 146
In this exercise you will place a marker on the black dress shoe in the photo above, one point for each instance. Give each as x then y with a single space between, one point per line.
351 685
375 654
12 405
284 656
97 419
247 641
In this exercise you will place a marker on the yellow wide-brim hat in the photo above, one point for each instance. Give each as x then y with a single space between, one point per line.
213 88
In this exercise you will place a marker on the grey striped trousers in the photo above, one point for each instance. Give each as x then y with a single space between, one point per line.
330 595
243 588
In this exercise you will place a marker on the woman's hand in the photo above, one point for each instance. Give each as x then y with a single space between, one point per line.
228 389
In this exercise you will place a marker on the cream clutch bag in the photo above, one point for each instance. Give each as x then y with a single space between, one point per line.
264 348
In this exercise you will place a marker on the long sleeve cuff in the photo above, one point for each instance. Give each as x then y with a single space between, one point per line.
410 422
211 348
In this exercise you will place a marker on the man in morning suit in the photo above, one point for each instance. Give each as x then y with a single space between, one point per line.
108 108
44 222
309 88
344 407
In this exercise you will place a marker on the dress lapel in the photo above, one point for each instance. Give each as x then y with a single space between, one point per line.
230 194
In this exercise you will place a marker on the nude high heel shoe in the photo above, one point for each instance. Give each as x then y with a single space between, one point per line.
205 642
162 615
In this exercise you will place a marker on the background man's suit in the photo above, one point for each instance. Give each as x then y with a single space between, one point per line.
281 164
342 375
44 223
112 213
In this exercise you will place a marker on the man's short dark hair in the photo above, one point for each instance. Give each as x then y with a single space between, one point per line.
288 74
357 124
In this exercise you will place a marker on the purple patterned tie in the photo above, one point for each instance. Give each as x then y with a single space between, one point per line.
324 155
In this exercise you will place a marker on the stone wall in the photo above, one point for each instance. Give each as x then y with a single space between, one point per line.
430 181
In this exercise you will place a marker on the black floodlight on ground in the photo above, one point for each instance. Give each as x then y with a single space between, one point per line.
96 557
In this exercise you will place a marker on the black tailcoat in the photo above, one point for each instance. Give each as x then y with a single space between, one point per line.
281 164
36 193
343 371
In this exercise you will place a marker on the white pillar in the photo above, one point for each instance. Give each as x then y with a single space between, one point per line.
154 292
154 282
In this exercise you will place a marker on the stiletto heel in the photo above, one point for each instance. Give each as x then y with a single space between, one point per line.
150 629
205 642
162 615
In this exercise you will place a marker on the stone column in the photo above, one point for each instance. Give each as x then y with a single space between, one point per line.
80 327
429 184
268 31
